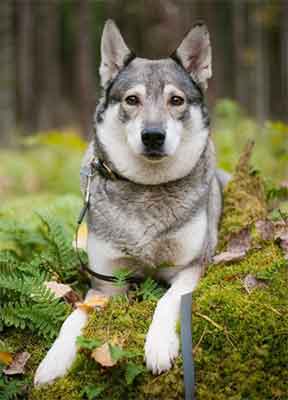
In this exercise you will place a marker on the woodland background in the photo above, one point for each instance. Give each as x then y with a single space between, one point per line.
49 55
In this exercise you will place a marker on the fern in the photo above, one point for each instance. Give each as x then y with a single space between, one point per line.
150 290
39 253
61 249
11 388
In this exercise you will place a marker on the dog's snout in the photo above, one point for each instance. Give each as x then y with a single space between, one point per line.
153 138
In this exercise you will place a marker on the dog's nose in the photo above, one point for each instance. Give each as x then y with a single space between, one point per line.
153 138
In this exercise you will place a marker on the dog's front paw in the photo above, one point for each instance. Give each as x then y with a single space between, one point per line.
161 348
56 363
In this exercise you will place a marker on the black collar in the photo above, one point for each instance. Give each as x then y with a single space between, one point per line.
102 167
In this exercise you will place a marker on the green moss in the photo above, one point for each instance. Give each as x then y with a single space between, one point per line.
244 199
240 340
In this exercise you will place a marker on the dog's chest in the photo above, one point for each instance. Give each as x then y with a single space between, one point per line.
158 226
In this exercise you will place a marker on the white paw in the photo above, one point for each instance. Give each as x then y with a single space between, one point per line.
161 347
57 361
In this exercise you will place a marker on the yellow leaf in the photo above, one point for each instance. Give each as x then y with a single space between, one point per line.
5 357
95 301
103 356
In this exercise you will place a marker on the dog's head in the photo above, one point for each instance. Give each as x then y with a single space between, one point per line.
152 121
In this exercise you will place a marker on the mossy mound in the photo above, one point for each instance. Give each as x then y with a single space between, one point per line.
240 336
240 340
244 199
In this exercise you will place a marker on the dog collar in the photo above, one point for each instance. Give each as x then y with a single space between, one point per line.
102 167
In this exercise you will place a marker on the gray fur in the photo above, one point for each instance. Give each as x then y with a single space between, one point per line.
158 210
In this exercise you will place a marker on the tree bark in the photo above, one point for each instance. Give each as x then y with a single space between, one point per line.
85 85
7 74
25 65
284 25
48 64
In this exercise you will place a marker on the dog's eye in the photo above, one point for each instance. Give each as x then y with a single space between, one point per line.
176 101
132 100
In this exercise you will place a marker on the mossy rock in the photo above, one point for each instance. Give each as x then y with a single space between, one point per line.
240 337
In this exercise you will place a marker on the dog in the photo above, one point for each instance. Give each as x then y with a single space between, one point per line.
152 131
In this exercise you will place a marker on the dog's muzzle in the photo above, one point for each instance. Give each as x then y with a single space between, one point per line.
153 140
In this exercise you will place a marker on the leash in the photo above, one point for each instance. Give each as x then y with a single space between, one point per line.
186 341
99 166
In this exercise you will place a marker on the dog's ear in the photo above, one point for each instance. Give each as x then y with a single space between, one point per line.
194 54
114 52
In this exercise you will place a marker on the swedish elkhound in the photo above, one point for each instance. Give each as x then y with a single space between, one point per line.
152 133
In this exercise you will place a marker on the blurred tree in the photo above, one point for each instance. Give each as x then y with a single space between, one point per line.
85 83
25 24
49 97
52 48
284 60
7 73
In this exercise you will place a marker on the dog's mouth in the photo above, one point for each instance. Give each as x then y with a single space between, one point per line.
154 155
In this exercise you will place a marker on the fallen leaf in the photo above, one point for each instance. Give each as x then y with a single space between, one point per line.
265 229
5 357
283 241
103 356
251 282
236 249
240 242
61 290
94 302
18 364
228 256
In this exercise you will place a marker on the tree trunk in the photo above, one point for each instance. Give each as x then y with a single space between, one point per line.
85 85
260 75
7 74
239 36
25 65
48 68
284 52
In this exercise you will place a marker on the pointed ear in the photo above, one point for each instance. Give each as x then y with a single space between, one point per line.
195 54
114 52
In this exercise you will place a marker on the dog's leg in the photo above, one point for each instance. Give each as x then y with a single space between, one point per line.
63 352
162 342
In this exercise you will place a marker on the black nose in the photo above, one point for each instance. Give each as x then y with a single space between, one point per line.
153 138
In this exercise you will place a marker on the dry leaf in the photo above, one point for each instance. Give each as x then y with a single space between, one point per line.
240 242
81 238
265 229
103 356
237 248
18 364
5 357
61 290
251 282
283 241
97 301
228 256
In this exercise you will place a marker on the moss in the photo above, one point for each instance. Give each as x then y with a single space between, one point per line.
244 199
240 340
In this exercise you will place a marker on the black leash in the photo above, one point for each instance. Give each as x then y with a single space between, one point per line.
99 166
